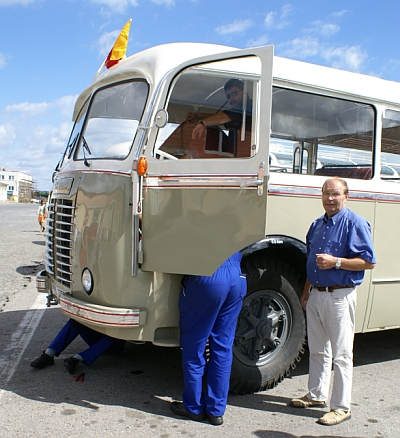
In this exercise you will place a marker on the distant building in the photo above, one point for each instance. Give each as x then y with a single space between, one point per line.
15 186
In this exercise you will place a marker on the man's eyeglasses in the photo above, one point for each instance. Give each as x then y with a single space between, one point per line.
332 194
233 94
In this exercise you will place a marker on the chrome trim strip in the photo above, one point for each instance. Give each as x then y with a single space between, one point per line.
63 247
59 230
63 256
65 264
59 277
64 206
62 239
108 172
198 181
102 315
68 224
63 272
290 190
64 215
386 280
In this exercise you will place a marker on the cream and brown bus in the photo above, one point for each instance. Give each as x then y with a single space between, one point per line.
137 202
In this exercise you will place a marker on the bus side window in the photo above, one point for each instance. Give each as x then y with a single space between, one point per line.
219 100
390 148
324 135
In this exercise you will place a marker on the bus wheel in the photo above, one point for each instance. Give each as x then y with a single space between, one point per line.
270 331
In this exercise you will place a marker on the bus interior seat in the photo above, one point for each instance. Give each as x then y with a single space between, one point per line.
359 172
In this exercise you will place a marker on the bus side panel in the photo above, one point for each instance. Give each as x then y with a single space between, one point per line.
292 215
385 310
104 245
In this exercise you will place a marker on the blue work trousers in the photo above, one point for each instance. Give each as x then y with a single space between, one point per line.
98 342
209 308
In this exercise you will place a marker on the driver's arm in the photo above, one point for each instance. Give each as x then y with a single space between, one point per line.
213 120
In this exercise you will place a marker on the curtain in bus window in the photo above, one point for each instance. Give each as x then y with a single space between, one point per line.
210 111
322 135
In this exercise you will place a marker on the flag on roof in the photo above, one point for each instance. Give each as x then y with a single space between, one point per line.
118 51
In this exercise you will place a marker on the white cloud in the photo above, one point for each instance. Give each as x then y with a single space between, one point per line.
300 48
238 26
286 10
270 19
324 29
65 105
273 20
118 6
27 108
345 57
256 42
164 2
349 58
33 137
2 59
341 13
106 41
7 135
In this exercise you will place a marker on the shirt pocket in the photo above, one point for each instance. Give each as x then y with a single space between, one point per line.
333 248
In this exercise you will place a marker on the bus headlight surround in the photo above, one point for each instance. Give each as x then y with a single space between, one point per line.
87 281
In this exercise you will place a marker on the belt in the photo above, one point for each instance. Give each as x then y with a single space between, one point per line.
331 288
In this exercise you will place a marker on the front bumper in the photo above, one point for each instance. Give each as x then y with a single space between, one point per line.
89 312
101 315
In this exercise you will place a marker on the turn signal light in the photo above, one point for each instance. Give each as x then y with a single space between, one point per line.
142 166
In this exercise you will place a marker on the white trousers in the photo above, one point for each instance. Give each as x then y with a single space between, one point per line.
330 327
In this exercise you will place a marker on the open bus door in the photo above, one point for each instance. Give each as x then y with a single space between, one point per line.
206 198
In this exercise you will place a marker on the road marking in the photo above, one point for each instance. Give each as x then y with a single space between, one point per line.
12 354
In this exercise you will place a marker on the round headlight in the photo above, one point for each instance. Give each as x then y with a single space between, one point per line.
87 281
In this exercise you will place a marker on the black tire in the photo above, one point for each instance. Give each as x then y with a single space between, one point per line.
271 326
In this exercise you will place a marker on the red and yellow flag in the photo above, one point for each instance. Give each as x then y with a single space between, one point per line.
119 49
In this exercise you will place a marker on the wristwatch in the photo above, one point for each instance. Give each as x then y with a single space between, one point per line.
338 263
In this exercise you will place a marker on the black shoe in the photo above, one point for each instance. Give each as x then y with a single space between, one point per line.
178 409
43 361
70 364
215 421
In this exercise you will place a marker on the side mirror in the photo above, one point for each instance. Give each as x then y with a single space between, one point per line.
161 118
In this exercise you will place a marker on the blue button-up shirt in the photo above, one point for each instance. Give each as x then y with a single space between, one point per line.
346 235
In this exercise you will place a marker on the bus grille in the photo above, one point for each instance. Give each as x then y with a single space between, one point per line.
59 243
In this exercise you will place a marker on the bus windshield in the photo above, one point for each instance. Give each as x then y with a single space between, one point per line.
112 121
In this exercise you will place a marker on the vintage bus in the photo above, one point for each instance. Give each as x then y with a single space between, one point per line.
137 202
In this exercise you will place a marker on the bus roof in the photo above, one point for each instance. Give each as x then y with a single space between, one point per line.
155 62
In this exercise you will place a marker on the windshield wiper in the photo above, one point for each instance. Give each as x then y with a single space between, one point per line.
85 147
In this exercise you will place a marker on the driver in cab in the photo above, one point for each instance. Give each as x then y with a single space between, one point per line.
231 119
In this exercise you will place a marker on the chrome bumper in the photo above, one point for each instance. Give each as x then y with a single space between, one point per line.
101 315
88 312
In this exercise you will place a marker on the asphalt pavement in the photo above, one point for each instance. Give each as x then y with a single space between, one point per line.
130 394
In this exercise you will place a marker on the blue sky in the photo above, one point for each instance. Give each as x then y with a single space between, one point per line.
50 51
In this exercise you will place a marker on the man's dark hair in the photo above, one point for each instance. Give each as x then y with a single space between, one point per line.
233 83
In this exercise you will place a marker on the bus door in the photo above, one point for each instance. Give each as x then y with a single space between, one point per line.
205 193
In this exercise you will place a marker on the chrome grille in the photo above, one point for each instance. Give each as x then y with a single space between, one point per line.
59 243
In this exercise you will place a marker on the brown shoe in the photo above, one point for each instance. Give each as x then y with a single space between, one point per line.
335 416
305 402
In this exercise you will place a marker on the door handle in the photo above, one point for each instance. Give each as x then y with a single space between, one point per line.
259 181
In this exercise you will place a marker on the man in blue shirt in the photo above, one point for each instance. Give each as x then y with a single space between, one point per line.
339 250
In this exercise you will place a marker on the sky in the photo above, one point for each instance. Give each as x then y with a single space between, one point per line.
50 51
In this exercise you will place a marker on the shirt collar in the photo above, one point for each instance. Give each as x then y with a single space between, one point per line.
337 216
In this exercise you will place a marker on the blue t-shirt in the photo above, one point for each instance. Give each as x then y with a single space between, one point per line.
346 235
